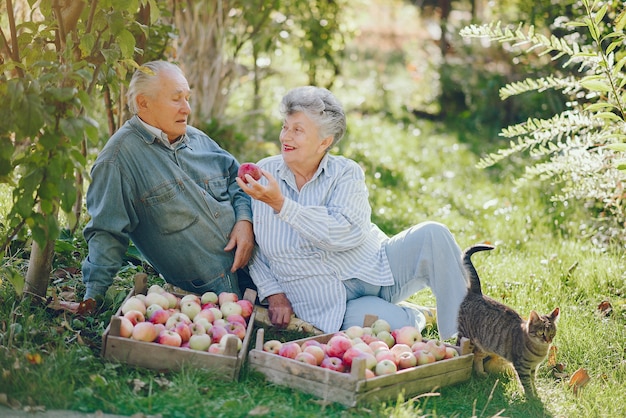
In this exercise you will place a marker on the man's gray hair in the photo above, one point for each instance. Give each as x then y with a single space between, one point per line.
145 81
321 106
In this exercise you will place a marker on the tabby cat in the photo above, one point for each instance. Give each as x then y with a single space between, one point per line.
496 329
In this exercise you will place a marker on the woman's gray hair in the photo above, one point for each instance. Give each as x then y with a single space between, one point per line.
321 106
145 81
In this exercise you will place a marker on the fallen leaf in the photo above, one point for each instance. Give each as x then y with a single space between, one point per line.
34 358
605 308
552 356
578 380
259 410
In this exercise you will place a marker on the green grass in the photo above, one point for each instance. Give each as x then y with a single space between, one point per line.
416 173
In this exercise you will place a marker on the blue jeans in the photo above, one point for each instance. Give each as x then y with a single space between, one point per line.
425 255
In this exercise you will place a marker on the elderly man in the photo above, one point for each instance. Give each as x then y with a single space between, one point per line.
170 189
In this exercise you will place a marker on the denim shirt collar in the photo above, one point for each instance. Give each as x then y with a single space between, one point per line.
150 133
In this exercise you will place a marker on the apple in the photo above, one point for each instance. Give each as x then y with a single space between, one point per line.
313 342
155 288
419 345
226 297
370 360
337 345
190 308
249 168
290 350
438 349
133 303
424 357
407 359
230 308
246 307
399 349
172 299
217 349
126 327
368 338
144 331
385 355
380 325
317 352
363 347
306 357
378 345
204 322
450 353
206 314
217 332
227 337
168 337
183 330
191 297
196 328
237 329
384 367
134 316
350 354
407 335
217 314
354 331
369 374
208 297
333 363
236 318
272 346
175 318
158 299
159 328
200 342
159 316
386 337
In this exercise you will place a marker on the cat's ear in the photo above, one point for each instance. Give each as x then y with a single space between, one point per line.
533 317
555 314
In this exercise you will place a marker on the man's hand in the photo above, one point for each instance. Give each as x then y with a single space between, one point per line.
280 310
242 241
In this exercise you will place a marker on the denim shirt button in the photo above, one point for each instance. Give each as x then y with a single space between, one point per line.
216 214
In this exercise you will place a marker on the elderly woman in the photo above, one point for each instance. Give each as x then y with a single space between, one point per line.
319 255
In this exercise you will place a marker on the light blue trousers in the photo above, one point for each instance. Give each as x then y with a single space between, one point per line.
425 255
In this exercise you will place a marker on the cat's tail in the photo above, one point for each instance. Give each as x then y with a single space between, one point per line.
474 280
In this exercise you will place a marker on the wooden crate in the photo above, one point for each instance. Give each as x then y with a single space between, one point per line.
161 357
353 389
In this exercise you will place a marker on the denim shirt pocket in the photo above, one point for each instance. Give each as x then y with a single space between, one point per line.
168 208
218 188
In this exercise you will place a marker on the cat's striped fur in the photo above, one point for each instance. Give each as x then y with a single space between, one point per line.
496 329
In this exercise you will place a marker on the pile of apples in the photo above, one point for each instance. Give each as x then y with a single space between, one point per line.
384 351
195 322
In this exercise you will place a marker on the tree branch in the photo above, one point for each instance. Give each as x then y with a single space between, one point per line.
15 53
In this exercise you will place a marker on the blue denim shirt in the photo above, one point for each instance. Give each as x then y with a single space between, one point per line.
178 206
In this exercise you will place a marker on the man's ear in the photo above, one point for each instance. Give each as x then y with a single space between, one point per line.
142 102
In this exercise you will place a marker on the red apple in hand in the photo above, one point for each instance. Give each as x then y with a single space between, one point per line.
249 168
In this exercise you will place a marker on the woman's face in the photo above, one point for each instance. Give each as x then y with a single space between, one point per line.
301 145
168 109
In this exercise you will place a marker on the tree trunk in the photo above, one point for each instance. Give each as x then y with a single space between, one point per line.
39 267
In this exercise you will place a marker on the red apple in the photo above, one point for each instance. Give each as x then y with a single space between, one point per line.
369 374
406 360
251 169
317 352
378 345
399 349
407 335
144 331
134 316
438 349
272 346
246 307
424 357
419 345
217 332
384 367
216 349
306 357
159 316
290 350
337 345
333 363
206 314
126 327
183 330
226 297
236 318
168 337
237 329
451 352
385 355
350 354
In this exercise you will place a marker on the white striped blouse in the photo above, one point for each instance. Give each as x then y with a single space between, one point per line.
322 236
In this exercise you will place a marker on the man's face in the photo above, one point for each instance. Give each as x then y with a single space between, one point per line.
167 108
